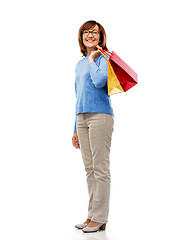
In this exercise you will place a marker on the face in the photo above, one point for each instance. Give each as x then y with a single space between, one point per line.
92 39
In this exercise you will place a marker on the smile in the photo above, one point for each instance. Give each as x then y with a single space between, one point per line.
90 40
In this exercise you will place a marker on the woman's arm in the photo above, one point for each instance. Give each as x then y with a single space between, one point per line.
75 140
98 74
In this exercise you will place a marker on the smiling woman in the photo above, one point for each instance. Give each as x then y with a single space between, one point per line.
91 39
94 123
97 35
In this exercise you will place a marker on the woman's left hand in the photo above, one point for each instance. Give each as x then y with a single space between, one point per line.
94 55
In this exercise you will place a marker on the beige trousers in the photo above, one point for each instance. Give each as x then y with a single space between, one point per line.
95 134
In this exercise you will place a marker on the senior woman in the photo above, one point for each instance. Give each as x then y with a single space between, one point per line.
94 123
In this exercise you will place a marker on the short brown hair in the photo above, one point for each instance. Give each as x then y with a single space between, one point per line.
89 25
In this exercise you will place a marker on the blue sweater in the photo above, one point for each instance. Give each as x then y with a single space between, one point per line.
91 87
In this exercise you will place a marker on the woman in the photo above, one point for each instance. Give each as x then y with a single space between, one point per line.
94 123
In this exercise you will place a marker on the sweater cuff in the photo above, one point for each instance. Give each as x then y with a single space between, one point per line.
75 125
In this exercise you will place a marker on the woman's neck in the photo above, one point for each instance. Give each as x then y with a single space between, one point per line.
90 50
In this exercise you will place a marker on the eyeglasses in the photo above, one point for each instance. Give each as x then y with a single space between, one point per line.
94 32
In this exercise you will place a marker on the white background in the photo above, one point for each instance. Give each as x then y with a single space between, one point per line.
43 191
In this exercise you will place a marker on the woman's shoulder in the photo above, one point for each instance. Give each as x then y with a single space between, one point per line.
82 60
80 63
101 57
100 60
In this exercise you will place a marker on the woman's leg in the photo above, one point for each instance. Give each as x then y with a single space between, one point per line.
100 128
83 135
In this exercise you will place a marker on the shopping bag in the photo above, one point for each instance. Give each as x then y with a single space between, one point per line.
113 83
126 77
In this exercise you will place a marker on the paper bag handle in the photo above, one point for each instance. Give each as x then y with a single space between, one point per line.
104 53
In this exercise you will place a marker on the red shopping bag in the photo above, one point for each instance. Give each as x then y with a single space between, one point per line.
126 76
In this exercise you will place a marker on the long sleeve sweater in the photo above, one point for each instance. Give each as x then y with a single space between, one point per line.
91 87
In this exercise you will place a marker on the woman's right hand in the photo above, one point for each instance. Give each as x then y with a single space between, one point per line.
75 140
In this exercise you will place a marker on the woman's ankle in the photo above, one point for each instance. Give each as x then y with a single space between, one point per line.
87 221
